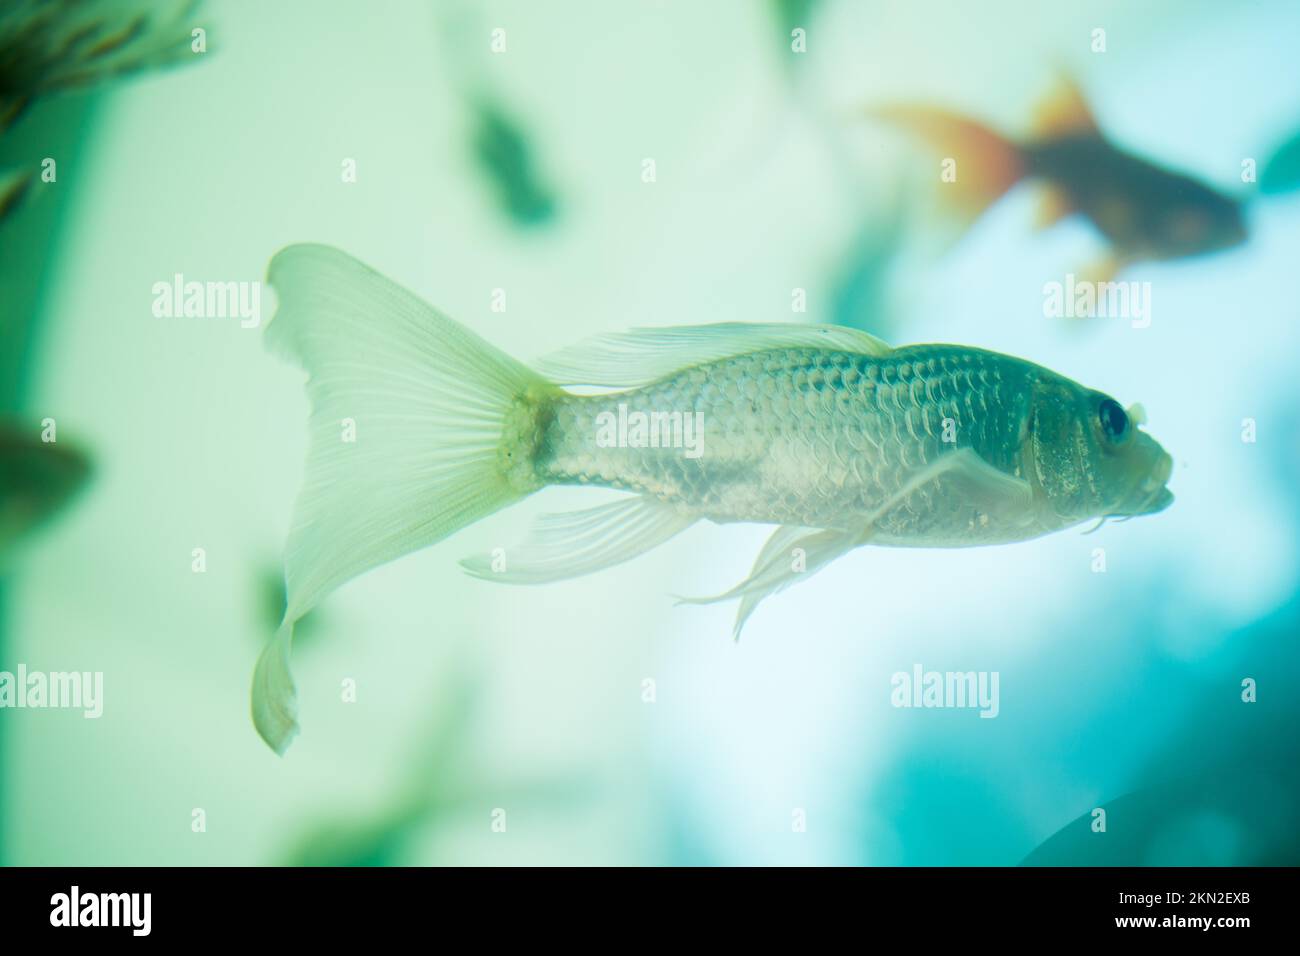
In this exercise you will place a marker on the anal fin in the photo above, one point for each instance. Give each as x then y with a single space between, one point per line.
1104 269
1053 205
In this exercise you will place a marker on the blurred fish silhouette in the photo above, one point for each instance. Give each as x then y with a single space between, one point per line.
499 142
37 480
1145 211
506 158
1281 174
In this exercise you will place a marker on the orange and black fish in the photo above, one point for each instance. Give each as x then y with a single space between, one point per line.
1145 211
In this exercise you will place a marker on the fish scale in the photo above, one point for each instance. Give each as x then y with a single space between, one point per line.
813 437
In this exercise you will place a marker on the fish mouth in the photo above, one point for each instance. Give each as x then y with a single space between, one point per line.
1151 495
1159 476
1163 500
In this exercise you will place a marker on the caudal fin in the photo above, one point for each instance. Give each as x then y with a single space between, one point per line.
985 164
413 435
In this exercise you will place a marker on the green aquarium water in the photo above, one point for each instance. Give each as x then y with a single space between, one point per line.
1061 296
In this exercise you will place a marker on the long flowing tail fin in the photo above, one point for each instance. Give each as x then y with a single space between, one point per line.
418 428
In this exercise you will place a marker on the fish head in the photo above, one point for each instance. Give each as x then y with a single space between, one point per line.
1089 458
1198 220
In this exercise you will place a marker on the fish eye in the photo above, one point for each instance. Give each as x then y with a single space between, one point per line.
1114 420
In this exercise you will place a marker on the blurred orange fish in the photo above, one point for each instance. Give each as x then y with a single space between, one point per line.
1146 212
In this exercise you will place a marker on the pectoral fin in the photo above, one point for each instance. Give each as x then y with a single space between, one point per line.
991 490
794 553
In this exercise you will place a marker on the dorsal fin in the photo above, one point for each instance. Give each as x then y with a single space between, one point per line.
1065 111
641 356
1053 206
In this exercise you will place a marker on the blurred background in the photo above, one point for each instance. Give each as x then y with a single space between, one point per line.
486 152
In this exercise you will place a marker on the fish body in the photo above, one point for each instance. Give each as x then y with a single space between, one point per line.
825 432
1146 211
819 438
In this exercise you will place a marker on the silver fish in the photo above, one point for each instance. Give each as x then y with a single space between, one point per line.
420 428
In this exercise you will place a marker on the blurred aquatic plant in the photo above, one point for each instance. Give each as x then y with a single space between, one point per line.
49 46
14 184
1225 790
1236 815
1281 172
54 46
865 271
37 480
1218 787
791 15
862 296
445 786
